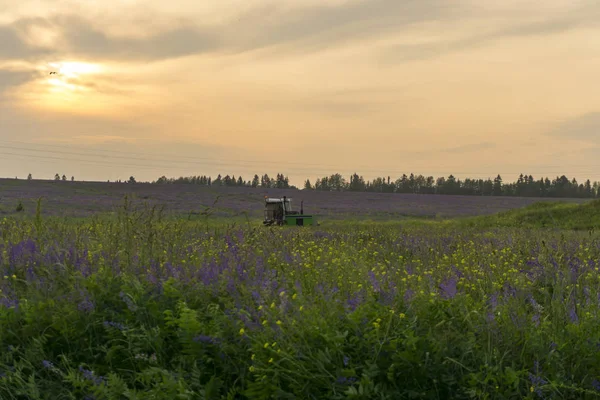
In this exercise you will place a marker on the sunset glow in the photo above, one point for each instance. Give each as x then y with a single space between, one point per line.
401 87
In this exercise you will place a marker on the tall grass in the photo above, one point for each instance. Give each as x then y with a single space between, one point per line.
140 306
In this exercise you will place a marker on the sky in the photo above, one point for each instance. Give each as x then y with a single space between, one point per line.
308 88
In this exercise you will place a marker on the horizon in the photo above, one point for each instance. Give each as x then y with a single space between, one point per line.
472 89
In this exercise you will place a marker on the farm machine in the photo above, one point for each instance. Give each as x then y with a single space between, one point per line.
280 212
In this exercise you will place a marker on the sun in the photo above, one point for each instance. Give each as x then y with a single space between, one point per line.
74 69
67 85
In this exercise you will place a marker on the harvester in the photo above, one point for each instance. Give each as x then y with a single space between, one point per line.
279 212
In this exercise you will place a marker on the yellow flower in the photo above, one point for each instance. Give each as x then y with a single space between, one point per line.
294 296
273 305
402 315
266 345
270 360
251 369
242 331
301 308
253 356
279 322
14 276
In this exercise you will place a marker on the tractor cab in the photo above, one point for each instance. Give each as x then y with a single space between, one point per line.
278 211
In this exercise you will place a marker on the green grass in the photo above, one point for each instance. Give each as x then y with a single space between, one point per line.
555 215
167 307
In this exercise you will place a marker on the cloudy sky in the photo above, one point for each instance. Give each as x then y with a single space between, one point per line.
303 87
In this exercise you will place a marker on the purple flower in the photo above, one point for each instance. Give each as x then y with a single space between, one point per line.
86 305
448 288
206 339
342 380
89 375
47 364
596 384
116 325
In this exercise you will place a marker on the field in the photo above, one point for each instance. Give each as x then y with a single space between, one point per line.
104 298
86 198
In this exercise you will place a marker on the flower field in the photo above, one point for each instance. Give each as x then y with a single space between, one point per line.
138 306
82 199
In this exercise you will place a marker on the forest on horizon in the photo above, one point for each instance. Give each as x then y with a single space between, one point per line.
524 186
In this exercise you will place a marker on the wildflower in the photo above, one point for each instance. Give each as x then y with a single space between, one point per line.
89 375
279 322
242 331
270 360
294 296
402 315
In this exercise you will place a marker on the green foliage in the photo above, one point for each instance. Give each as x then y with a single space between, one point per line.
555 215
139 306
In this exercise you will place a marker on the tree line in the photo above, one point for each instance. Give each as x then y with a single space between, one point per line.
265 181
524 186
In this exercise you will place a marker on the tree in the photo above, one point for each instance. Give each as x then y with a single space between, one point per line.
64 177
57 177
131 180
29 177
72 179
307 185
255 181
497 191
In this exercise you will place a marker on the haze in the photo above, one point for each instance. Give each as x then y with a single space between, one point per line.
305 87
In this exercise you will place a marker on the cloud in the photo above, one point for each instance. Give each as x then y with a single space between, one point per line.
271 28
274 26
76 36
587 16
323 26
583 128
10 79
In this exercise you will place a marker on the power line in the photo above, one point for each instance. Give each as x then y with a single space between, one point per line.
163 167
240 162
179 157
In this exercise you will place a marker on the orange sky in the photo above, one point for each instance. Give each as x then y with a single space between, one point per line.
305 87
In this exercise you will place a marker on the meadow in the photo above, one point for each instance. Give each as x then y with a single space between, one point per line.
146 303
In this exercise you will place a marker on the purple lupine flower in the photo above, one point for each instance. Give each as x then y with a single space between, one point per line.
448 288
342 380
346 359
596 384
573 315
537 382
86 305
89 375
47 364
206 339
116 325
